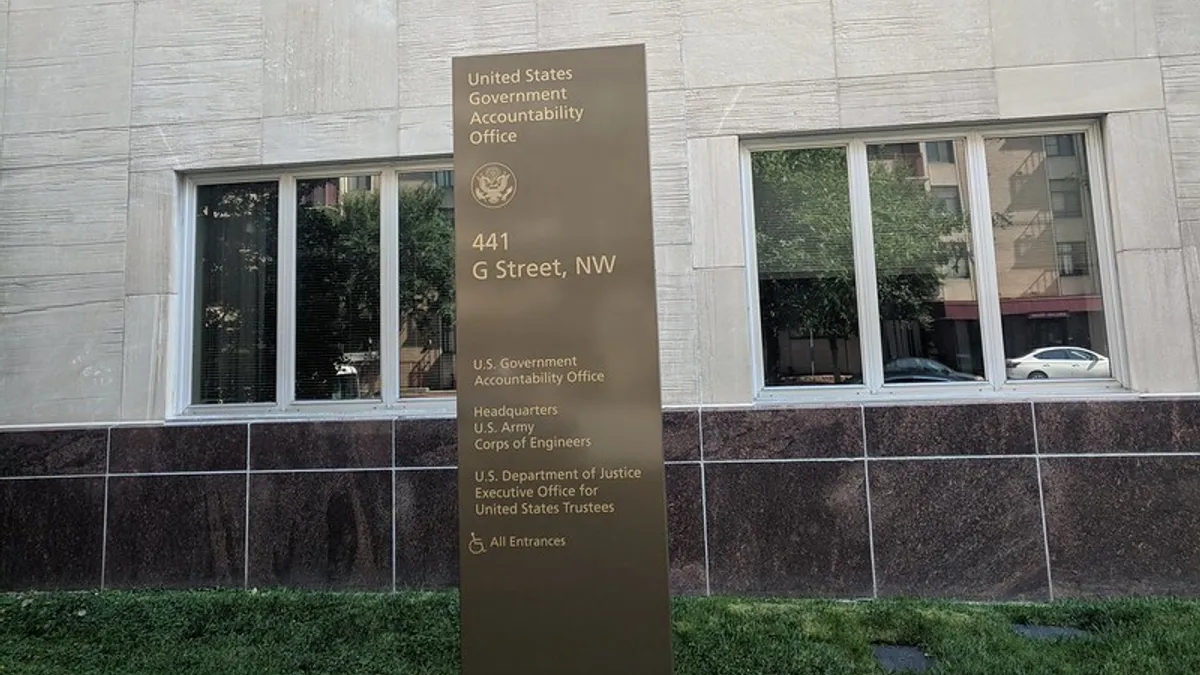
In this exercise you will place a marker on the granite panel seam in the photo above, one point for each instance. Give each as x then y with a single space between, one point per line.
394 541
104 522
867 489
758 406
53 477
246 526
682 462
1042 502
703 500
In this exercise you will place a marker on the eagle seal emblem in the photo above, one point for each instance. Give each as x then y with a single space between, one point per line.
493 185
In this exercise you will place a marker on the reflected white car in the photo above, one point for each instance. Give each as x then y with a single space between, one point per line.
1058 363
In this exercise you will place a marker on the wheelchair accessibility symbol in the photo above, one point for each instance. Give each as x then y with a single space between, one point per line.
476 546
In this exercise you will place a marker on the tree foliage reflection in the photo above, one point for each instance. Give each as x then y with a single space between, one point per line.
806 252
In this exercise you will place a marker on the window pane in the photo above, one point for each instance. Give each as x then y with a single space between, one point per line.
337 288
236 240
1045 241
427 345
806 267
929 315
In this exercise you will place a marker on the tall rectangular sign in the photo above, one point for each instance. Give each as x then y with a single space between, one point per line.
562 515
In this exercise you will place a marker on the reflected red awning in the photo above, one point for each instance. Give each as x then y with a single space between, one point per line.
965 310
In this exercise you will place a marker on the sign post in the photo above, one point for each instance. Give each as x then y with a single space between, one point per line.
562 515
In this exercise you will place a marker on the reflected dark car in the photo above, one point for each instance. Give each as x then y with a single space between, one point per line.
917 369
901 377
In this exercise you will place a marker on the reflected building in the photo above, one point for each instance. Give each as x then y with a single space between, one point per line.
1046 257
1043 235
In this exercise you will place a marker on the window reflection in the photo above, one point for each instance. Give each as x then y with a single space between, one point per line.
1044 234
928 304
427 341
337 288
806 267
236 276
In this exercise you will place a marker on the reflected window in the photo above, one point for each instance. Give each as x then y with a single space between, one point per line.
1060 146
949 196
940 152
1072 259
807 285
237 232
337 289
1065 201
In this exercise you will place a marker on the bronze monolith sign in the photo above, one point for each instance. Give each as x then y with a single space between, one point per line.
562 515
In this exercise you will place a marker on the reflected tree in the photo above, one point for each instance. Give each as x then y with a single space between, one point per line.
338 284
806 260
338 275
337 287
426 258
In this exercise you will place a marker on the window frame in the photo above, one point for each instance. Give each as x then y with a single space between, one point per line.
182 349
995 384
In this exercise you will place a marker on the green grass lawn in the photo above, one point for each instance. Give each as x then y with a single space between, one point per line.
290 632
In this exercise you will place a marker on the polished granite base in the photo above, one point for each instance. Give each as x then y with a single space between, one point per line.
794 529
967 529
176 531
1015 501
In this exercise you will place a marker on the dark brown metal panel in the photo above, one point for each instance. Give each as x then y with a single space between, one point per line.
563 538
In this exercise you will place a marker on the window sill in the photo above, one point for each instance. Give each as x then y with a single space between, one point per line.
412 409
436 408
966 393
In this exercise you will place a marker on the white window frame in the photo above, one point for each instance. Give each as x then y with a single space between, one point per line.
983 273
181 370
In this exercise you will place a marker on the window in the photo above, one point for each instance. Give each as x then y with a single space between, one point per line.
940 152
1065 201
1060 146
327 288
949 197
1072 259
878 271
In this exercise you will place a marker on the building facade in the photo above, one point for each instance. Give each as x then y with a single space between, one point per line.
928 275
